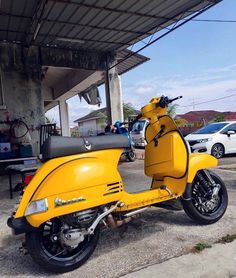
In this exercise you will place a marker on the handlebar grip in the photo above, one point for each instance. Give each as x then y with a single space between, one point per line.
174 99
164 101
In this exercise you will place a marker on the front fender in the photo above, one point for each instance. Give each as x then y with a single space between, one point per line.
199 161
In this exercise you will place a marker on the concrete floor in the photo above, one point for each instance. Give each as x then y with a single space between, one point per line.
157 236
205 264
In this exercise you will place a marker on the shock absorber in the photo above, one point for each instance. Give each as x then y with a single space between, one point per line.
205 189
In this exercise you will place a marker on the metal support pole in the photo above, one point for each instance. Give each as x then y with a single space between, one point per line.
64 118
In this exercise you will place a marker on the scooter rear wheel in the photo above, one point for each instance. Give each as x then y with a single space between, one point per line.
131 156
46 248
200 205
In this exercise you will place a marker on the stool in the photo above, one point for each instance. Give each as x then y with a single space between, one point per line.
22 170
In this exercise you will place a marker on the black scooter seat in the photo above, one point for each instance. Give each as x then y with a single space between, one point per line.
57 146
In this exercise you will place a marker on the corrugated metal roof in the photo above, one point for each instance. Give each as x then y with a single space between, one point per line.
101 25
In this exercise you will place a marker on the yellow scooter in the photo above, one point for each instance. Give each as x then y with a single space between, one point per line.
78 188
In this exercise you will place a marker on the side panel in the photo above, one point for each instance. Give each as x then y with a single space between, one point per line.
167 158
92 178
200 161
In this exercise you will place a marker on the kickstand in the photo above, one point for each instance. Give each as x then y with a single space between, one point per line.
23 248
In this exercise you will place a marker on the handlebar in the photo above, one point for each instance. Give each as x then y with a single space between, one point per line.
164 101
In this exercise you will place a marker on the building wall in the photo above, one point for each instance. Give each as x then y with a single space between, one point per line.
23 100
90 127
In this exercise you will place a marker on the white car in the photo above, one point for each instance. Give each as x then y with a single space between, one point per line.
216 139
138 133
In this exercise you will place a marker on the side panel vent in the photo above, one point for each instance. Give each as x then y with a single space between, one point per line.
113 188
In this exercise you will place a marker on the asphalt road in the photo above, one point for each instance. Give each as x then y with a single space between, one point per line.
157 236
227 160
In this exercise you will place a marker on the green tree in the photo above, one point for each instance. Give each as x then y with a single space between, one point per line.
181 122
172 110
219 118
128 110
49 120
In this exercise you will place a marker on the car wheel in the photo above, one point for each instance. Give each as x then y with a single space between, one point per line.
218 150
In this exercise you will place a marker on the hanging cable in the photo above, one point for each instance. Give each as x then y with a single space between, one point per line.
165 34
209 101
215 20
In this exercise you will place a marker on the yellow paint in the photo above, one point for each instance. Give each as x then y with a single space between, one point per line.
93 177
198 162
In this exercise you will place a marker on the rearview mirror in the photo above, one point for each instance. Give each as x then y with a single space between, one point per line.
230 132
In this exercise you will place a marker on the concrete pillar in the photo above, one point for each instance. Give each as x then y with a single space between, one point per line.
114 101
64 118
21 85
23 100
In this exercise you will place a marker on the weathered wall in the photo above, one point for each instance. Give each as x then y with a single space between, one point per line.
21 87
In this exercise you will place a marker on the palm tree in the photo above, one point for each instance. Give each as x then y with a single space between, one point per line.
172 110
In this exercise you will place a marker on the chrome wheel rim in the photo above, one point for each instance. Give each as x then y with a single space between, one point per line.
54 248
206 205
218 151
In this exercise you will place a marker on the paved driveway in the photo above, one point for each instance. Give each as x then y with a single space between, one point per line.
157 236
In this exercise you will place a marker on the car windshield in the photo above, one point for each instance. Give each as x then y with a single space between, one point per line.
138 126
210 129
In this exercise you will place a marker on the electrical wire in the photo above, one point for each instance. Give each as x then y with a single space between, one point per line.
208 101
215 20
163 35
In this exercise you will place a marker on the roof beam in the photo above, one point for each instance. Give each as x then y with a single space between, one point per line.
93 26
35 24
68 38
15 56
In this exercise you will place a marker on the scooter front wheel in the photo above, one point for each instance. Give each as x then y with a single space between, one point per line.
48 249
206 199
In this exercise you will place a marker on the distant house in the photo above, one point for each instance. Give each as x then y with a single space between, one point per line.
96 121
207 116
197 119
93 123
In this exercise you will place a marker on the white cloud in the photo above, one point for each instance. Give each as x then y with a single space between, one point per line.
204 86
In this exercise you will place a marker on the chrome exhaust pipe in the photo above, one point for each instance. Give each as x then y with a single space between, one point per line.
129 214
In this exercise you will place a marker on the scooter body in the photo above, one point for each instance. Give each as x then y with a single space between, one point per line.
78 183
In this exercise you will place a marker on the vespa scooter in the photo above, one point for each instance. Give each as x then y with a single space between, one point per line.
78 189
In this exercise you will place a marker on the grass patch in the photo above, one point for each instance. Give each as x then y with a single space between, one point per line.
227 239
201 246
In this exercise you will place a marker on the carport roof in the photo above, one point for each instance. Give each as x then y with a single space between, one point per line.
101 25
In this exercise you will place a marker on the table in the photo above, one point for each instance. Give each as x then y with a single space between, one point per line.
22 170
18 159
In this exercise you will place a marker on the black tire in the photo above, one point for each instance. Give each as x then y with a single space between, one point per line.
218 150
40 248
131 155
194 212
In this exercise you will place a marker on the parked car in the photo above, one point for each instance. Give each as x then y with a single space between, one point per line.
138 133
215 138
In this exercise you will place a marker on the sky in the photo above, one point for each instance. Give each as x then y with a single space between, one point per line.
197 61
